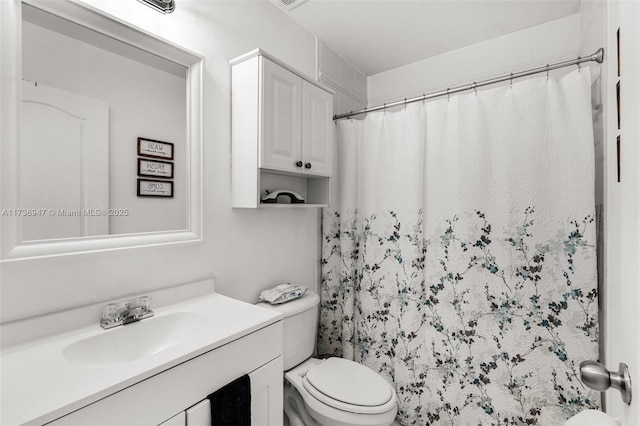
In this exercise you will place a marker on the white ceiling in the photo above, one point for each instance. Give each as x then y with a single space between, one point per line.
376 35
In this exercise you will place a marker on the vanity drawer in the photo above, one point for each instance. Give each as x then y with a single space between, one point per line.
162 396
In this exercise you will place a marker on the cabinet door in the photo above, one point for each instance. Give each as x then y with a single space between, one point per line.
199 414
317 132
177 420
266 398
281 115
267 394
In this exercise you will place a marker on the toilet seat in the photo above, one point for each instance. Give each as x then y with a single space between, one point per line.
349 386
329 411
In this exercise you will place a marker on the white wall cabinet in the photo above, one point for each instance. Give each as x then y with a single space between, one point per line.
177 396
282 132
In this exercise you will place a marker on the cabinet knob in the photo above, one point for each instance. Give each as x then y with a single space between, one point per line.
307 166
298 163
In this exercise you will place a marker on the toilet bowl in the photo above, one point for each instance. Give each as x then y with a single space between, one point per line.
339 392
331 391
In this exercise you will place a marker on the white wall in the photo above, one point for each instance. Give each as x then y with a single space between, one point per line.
143 101
535 46
246 250
349 83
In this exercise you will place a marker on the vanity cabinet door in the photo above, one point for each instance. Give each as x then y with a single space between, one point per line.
267 394
282 118
317 132
199 414
266 400
177 420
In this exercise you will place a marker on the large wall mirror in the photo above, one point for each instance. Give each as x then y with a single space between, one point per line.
102 148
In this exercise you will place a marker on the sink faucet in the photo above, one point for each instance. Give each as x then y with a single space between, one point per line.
114 315
132 313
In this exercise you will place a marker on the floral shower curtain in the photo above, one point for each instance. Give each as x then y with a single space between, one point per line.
460 258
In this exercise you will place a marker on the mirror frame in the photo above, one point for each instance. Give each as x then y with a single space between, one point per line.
11 246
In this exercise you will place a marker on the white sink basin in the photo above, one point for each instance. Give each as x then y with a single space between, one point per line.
137 340
45 379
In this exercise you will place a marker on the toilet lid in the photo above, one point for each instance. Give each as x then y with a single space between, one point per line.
349 382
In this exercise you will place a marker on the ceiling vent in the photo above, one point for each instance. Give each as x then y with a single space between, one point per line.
288 4
162 6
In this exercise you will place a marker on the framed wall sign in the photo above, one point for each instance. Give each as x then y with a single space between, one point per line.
155 188
155 168
155 149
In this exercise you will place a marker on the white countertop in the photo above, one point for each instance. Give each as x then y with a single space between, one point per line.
38 384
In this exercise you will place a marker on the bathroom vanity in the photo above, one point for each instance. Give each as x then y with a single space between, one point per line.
155 371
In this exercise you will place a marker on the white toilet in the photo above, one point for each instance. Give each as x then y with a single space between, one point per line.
329 392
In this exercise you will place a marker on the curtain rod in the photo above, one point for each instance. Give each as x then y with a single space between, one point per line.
598 57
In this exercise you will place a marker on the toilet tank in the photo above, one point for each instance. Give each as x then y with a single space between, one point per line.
300 321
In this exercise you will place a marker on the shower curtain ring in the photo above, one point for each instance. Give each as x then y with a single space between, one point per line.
547 72
579 69
405 103
424 98
511 81
448 94
475 88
